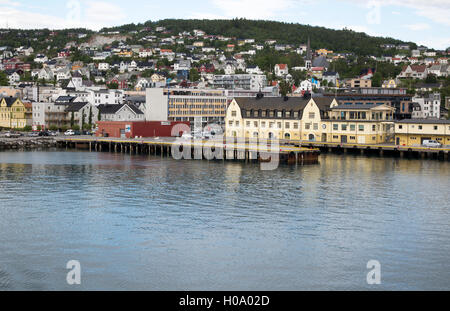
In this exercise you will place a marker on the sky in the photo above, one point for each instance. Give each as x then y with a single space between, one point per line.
424 22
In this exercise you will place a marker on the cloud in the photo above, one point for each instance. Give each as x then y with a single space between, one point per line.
418 26
94 15
436 10
253 9
99 14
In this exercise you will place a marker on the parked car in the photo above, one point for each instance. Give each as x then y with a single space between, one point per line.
186 136
11 134
69 133
431 143
53 133
44 133
33 134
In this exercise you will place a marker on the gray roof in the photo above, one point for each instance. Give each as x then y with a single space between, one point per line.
112 109
75 107
320 61
272 104
424 121
357 106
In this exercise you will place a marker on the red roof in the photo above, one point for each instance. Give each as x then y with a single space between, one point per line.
282 66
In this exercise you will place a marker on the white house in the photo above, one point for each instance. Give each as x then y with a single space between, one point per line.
13 78
144 53
103 66
281 70
427 107
120 112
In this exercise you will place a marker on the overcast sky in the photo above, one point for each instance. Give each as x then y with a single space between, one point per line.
424 22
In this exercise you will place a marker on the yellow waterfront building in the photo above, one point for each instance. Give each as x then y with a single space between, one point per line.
413 132
317 119
13 113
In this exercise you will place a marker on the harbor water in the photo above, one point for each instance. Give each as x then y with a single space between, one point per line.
150 223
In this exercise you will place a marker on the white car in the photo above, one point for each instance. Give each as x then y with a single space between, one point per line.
431 143
187 136
69 133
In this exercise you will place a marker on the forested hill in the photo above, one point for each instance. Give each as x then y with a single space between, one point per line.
288 33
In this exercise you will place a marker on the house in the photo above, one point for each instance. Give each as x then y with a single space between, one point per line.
331 77
120 112
41 59
12 113
412 132
253 70
439 70
317 72
359 83
13 77
46 74
281 70
103 66
63 74
427 106
144 53
414 71
389 84
182 64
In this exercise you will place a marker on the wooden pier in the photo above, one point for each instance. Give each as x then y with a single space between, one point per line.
197 149
418 152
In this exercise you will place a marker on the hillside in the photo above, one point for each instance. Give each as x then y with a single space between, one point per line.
343 41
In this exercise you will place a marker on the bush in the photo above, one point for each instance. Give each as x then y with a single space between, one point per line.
53 128
27 128
76 127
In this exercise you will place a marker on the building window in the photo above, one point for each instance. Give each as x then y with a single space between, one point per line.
335 127
374 127
344 127
279 125
263 124
255 123
248 123
352 127
361 128
307 126
233 113
400 127
435 127
316 126
237 123
312 115
279 114
287 125
420 127
296 125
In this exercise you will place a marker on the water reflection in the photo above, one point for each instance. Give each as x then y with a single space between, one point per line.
139 222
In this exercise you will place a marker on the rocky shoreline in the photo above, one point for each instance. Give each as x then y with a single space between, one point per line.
28 143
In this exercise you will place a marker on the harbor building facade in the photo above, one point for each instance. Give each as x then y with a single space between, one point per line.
413 132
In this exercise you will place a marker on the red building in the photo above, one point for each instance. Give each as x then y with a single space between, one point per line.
132 129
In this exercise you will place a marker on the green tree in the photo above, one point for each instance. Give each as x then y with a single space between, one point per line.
285 87
3 79
194 75
90 116
72 119
377 79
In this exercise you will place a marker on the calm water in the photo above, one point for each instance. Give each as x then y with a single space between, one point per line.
139 223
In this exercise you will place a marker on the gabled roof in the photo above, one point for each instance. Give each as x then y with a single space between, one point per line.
9 101
75 107
272 103
113 109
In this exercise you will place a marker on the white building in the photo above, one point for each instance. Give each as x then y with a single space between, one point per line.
427 107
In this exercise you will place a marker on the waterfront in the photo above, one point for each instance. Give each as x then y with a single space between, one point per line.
152 223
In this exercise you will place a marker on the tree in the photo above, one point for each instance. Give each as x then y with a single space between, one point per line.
113 85
90 116
72 119
285 87
194 75
376 79
3 79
